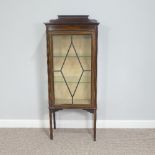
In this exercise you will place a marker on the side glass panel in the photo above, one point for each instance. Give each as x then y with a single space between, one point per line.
72 69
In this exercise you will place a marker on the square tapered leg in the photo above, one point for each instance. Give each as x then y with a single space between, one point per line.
51 129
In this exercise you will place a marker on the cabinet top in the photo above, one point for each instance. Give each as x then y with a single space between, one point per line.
72 20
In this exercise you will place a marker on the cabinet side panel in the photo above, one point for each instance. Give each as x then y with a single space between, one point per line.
94 69
50 69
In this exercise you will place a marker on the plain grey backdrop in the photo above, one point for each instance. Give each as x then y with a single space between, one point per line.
126 57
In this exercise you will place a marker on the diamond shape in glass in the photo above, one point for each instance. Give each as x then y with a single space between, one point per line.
72 70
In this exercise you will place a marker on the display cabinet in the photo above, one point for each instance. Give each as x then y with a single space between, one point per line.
72 65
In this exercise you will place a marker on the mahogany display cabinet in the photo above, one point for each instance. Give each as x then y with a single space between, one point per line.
72 65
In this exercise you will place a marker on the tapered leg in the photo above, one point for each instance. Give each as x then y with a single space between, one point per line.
94 125
54 120
51 129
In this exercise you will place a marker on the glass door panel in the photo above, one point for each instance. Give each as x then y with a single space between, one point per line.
72 69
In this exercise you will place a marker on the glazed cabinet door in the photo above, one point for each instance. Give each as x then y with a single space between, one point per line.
72 68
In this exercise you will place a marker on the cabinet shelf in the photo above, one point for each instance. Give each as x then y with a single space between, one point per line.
72 56
70 82
69 101
72 79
